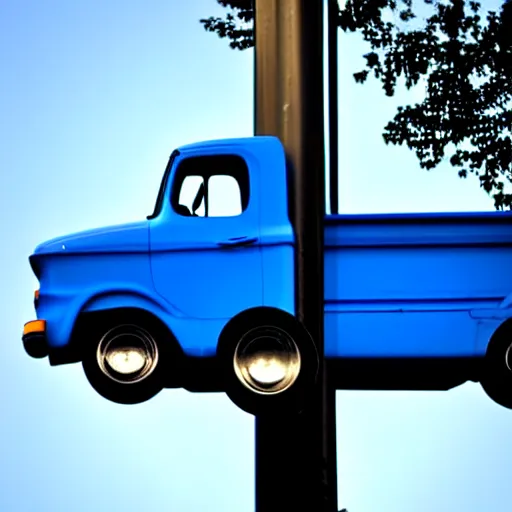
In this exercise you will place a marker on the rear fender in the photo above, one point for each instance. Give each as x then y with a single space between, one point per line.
489 321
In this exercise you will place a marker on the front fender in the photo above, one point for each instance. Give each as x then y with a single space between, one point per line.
196 337
98 299
127 298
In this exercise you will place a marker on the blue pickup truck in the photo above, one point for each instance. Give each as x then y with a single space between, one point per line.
210 276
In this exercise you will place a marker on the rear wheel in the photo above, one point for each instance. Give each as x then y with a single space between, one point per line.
269 362
124 362
496 379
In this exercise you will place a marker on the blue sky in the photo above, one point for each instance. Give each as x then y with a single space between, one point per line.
93 98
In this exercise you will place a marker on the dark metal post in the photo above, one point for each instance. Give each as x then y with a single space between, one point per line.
332 43
330 389
296 454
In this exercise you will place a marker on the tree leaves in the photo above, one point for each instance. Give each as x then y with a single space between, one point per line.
236 26
464 60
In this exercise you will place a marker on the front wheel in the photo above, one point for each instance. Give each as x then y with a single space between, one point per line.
496 379
269 363
124 362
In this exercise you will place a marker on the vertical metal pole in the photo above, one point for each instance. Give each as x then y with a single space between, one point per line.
332 59
330 389
296 454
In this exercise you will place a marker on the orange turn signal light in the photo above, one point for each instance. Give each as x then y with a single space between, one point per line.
36 294
34 326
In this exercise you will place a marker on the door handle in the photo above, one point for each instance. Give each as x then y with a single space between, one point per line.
238 241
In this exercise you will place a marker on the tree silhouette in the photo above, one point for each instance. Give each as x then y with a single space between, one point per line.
464 60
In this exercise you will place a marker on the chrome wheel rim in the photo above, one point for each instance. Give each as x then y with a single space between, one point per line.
508 354
267 361
127 354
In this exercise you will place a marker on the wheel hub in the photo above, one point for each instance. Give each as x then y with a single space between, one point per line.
267 360
127 354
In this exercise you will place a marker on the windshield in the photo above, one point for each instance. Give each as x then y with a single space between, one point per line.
163 185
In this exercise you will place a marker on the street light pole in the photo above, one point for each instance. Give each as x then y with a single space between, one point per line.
296 453
332 56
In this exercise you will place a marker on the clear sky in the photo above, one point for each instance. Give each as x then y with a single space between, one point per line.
93 98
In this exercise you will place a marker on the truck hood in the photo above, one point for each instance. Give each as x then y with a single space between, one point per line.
123 238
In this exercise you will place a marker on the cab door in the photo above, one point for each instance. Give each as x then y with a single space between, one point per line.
205 245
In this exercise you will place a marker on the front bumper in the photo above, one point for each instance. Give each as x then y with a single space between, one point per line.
34 339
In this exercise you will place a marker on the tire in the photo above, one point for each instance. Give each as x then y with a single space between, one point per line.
278 336
110 338
496 379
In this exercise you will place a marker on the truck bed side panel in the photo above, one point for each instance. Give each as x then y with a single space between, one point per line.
404 285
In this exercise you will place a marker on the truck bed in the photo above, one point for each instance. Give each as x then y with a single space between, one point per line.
405 286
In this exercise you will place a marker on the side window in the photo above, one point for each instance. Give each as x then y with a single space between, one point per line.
224 197
211 186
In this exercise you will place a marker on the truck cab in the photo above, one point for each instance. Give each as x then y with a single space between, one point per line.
219 230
